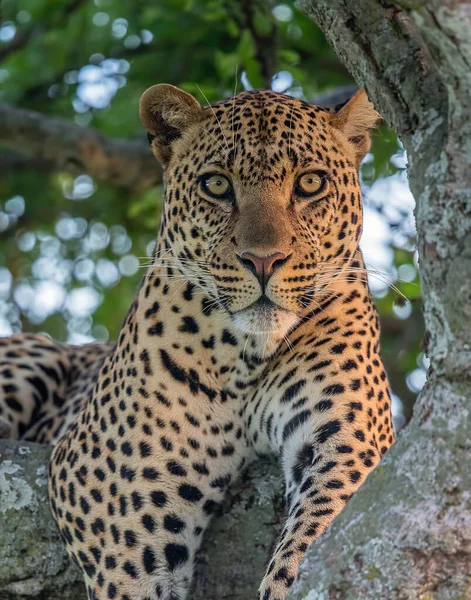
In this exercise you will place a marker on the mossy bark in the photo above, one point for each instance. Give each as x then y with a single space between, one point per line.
33 561
407 533
34 564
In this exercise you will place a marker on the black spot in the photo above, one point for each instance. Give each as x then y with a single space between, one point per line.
324 405
126 448
221 482
152 310
177 372
148 558
159 499
295 422
130 538
98 526
334 389
40 386
304 460
211 507
328 430
150 473
156 329
228 338
175 468
176 555
137 501
145 449
292 391
190 493
173 523
13 403
349 365
144 356
189 325
96 495
127 473
130 569
355 476
148 523
334 484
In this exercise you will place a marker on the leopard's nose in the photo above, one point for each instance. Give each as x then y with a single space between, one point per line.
263 267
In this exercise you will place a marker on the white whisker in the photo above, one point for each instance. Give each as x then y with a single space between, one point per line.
214 113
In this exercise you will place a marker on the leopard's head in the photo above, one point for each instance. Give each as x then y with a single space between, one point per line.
262 197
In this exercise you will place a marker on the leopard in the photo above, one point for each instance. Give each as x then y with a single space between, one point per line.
253 333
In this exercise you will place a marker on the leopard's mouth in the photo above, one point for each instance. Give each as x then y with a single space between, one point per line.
264 317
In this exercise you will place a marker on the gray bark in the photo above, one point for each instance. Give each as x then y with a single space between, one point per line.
34 564
407 532
62 145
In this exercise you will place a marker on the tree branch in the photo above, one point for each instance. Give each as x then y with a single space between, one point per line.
34 563
69 147
11 162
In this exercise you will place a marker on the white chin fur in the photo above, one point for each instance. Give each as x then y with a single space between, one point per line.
268 325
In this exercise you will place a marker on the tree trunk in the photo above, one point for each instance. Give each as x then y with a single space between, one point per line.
407 532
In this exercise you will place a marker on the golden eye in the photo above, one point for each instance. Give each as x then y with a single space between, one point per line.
310 184
217 186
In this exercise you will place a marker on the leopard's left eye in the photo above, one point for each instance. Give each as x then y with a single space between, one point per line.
310 184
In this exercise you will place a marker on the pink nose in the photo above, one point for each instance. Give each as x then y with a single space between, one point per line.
263 267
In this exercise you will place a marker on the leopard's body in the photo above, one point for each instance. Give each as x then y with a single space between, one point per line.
219 359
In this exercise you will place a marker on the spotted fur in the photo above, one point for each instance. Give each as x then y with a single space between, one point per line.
253 332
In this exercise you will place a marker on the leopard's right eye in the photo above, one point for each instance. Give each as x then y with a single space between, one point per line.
217 186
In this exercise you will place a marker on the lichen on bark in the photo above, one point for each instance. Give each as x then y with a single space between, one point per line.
34 564
33 561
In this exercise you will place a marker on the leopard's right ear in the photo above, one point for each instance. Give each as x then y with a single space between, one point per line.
166 111
356 118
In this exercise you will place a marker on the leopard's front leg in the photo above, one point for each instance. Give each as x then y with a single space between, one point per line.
330 433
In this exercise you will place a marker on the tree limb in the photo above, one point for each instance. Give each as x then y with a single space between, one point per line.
34 563
11 162
69 147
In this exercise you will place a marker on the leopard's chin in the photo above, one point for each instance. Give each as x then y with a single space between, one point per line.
267 323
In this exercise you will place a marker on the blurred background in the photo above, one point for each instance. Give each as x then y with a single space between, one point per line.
72 246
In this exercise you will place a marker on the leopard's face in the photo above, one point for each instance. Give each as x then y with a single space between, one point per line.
262 204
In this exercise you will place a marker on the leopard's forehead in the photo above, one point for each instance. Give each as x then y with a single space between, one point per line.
263 134
266 99
267 115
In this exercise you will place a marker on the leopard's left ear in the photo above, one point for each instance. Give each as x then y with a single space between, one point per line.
355 119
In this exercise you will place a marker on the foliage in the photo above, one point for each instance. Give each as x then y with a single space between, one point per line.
70 248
